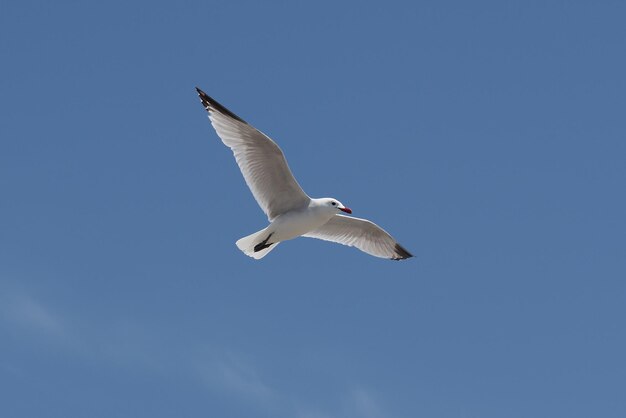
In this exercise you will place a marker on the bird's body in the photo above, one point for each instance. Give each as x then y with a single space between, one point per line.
289 225
291 212
300 221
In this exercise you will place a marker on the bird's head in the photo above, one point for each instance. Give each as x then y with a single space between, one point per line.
337 205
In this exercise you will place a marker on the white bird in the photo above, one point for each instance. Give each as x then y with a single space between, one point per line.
291 212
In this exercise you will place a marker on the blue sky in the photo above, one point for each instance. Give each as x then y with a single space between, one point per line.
487 137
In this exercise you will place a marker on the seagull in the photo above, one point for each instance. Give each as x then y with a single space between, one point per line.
290 211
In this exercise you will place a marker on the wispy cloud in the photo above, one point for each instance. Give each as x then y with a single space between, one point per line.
229 372
24 312
233 374
221 370
362 403
353 403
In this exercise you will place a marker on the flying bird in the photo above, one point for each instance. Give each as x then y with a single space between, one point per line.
290 211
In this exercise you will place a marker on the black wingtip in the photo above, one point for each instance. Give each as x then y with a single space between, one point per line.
205 99
211 105
401 253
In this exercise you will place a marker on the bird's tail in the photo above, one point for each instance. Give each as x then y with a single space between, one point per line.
257 245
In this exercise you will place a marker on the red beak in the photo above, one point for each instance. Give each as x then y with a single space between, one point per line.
346 210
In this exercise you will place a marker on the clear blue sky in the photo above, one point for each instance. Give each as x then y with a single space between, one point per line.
488 137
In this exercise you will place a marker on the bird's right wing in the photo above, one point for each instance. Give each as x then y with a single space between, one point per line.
360 233
260 160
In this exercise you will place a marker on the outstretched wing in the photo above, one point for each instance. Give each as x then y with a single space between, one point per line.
260 160
360 233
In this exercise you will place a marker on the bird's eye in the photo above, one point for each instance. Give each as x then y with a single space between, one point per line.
334 203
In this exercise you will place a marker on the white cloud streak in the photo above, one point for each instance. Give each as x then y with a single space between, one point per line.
228 372
25 313
362 403
223 371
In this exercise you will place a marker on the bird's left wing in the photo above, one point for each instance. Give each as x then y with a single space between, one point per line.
260 160
360 233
